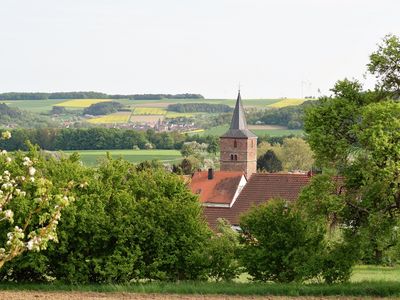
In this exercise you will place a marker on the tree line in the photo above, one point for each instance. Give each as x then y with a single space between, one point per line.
10 116
93 95
290 116
103 108
98 138
199 107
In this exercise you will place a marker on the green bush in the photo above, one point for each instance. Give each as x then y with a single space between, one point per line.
126 224
278 245
219 257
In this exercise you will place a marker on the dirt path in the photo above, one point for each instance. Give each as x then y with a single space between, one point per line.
24 295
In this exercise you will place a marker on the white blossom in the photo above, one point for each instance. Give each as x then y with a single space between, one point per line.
27 161
6 135
32 171
8 214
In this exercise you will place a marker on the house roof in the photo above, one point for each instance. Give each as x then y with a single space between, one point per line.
219 190
260 188
238 128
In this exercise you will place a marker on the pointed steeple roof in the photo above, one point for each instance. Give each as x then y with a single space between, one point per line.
238 128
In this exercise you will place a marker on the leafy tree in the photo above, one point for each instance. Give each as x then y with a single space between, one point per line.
194 149
58 110
103 108
278 245
296 155
213 147
385 65
356 133
269 162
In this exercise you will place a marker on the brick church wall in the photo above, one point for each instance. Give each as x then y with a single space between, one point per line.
244 155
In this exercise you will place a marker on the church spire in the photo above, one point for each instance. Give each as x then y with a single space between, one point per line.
238 128
238 118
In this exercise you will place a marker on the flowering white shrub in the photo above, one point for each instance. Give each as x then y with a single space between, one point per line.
30 198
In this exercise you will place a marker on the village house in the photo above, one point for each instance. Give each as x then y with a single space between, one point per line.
237 186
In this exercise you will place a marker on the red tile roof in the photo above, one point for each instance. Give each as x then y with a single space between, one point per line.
220 189
260 188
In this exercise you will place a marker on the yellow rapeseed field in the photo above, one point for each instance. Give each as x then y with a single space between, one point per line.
82 102
118 117
287 102
149 111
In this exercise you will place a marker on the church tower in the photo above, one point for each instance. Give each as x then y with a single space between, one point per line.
239 145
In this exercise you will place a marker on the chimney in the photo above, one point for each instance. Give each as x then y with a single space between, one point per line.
210 174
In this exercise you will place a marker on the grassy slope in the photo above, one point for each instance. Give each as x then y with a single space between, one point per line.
36 106
91 157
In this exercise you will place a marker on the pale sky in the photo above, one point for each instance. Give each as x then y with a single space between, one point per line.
177 46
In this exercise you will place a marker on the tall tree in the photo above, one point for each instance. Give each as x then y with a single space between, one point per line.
296 155
269 162
385 65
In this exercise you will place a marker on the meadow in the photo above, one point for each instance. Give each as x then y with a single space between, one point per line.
92 157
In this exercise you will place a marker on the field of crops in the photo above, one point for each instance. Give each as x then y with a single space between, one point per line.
82 103
287 102
92 157
149 111
118 117
219 130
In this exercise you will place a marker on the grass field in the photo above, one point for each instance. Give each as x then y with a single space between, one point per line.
219 130
82 103
91 157
377 283
375 273
118 117
37 106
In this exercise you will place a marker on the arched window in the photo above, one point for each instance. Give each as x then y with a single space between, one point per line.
235 157
231 156
234 144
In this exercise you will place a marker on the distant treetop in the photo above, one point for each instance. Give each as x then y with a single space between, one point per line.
93 95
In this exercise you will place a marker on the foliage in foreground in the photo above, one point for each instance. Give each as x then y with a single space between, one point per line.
279 244
127 224
30 205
